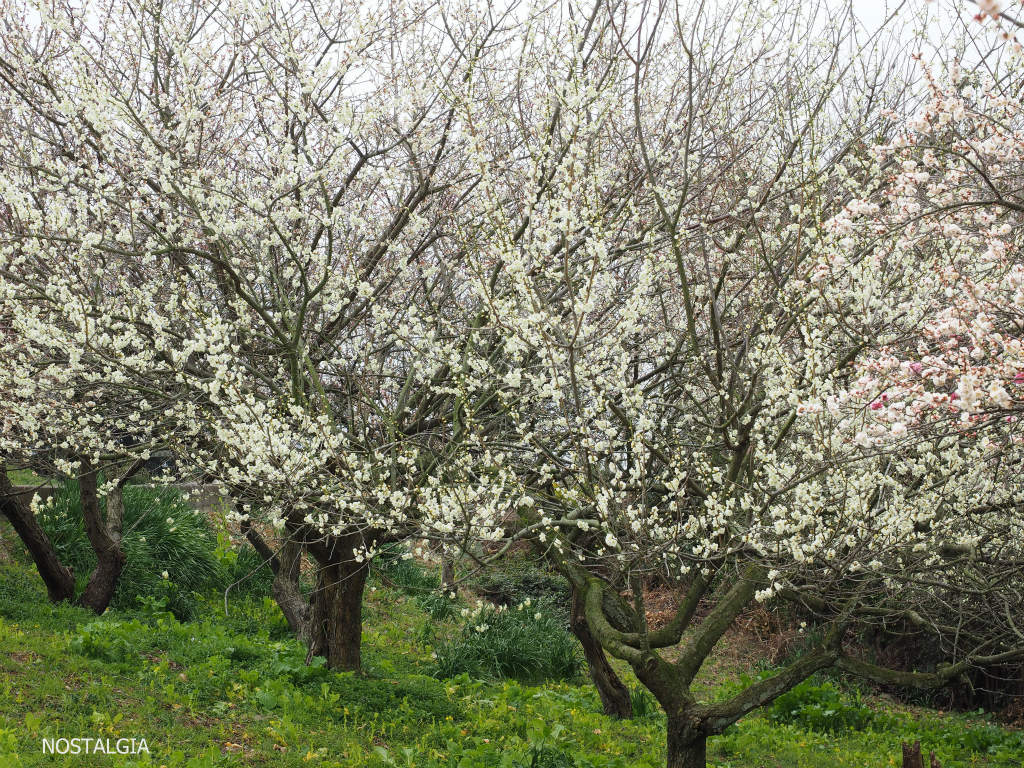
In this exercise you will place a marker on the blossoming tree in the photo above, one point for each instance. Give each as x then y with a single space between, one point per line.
942 203
946 196
624 280
269 201
65 398
678 374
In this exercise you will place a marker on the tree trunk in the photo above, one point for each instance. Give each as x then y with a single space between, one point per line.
59 580
912 757
447 570
613 692
285 588
110 557
337 620
687 745
115 512
287 593
331 623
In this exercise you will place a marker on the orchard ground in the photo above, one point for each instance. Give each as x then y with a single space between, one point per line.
235 690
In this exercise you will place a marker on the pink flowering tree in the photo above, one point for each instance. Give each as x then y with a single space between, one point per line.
944 200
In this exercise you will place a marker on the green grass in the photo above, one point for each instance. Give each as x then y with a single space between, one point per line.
525 643
25 477
162 534
234 691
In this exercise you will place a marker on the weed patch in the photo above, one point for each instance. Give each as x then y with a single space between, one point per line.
523 643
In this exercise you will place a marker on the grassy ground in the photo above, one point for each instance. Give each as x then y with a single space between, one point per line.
234 690
25 477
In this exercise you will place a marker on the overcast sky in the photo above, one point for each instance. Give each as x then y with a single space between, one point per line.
871 13
941 20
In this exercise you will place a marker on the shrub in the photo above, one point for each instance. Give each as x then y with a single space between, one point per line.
523 643
162 534
524 581
245 571
823 708
902 647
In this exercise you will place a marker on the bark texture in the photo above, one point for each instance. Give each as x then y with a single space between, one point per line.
613 692
58 578
105 541
912 757
286 565
337 616
447 570
286 592
687 744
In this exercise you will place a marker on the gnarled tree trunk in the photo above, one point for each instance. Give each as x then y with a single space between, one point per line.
331 623
105 538
687 744
286 565
337 618
286 591
613 692
59 580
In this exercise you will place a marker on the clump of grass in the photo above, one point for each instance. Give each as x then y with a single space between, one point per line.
440 605
643 702
161 535
398 569
523 643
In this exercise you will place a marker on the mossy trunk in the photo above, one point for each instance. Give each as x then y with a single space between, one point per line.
687 744
613 692
337 613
